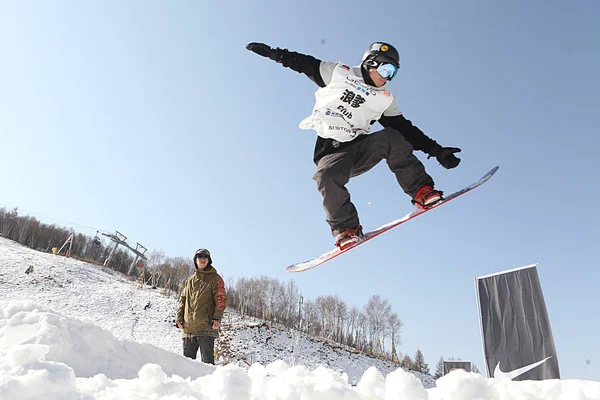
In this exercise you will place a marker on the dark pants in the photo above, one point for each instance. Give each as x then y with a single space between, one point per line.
335 170
206 345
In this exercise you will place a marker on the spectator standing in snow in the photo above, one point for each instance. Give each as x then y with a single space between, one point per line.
201 306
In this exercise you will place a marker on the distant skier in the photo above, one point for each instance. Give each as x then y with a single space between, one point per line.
350 100
201 307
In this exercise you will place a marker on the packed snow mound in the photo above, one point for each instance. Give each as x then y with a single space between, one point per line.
83 346
44 354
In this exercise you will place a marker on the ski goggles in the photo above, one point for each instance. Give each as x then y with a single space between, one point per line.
203 256
386 70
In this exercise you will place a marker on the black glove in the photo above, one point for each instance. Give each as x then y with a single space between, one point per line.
263 50
445 156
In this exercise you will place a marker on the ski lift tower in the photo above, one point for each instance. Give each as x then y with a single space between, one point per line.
140 252
119 239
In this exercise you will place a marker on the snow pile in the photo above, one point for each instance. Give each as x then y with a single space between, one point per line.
44 354
86 348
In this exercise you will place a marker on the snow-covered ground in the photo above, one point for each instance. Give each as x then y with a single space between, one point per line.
72 330
271 343
131 311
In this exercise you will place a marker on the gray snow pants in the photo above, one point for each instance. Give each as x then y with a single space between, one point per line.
206 344
335 170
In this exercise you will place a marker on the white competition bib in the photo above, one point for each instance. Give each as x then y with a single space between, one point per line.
345 107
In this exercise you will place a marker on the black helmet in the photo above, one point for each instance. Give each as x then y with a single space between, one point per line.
382 52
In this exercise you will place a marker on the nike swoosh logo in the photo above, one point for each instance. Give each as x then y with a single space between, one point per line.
519 371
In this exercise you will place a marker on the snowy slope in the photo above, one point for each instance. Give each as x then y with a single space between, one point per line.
93 293
271 343
72 330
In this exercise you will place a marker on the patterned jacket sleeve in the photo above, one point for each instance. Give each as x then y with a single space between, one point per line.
220 299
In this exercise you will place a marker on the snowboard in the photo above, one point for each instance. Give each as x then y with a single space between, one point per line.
306 265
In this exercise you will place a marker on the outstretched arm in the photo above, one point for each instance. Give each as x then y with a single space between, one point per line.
302 63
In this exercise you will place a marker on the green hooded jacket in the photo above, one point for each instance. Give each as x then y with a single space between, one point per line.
202 301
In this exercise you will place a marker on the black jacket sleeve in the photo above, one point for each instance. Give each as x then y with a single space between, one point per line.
414 135
302 63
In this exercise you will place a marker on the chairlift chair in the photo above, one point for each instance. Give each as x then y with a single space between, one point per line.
96 240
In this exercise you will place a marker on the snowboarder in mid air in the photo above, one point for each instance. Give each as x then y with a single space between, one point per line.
349 101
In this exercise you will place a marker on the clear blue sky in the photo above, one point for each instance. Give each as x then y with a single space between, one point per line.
151 118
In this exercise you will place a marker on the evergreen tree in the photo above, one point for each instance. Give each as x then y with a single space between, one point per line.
475 369
439 369
419 364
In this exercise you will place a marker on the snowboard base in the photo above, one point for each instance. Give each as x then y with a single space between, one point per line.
306 265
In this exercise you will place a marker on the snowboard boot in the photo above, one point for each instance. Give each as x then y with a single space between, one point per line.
427 197
349 237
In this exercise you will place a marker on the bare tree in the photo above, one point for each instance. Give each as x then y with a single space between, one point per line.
352 318
394 324
377 312
361 337
35 229
155 259
8 223
326 316
182 268
311 317
340 314
24 229
290 296
321 304
273 289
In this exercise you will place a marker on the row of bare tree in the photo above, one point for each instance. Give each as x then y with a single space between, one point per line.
367 330
30 232
169 272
